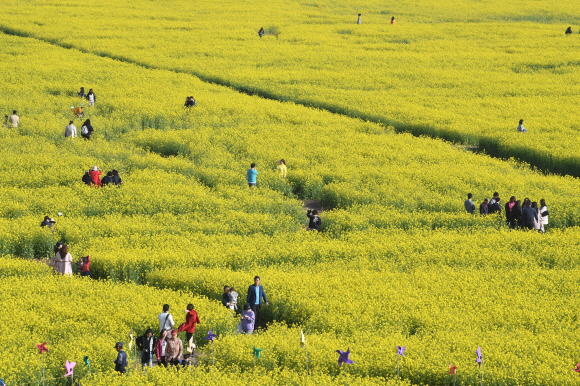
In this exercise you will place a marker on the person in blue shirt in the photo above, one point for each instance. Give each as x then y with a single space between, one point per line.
255 296
121 361
251 176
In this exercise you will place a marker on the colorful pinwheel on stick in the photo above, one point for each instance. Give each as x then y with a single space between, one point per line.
343 357
41 350
453 371
211 337
304 346
480 362
577 369
69 366
87 362
400 351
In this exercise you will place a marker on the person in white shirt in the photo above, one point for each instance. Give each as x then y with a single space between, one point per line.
521 128
165 319
91 97
359 20
14 120
543 215
70 131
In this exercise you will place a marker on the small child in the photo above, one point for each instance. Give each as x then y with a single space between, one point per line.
85 265
233 295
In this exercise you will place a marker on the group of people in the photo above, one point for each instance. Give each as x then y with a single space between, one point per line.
62 261
251 310
90 96
526 215
189 101
11 121
569 31
252 173
93 177
86 130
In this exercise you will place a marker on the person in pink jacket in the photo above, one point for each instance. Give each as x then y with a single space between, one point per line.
160 349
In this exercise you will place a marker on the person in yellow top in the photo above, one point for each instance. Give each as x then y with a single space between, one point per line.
282 168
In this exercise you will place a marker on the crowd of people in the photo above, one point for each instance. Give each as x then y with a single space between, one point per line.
93 177
526 215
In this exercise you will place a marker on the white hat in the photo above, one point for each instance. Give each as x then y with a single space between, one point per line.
95 168
51 220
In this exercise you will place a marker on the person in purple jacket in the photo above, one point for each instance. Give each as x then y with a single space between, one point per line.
248 319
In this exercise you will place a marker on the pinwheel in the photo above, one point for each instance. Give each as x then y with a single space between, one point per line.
257 352
87 362
400 351
130 339
577 369
2 382
343 357
69 366
211 336
480 362
453 371
41 350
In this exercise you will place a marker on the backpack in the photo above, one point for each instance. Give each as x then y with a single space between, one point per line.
84 130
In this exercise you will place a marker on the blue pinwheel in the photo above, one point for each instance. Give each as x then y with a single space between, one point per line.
400 351
2 382
343 357
210 336
479 356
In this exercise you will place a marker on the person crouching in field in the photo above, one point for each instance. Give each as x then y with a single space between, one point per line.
315 221
87 178
96 174
568 31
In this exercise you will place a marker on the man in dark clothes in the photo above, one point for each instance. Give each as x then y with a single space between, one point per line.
495 207
255 296
529 216
116 178
315 221
147 344
107 179
46 222
121 361
483 209
261 32
87 179
568 31
226 296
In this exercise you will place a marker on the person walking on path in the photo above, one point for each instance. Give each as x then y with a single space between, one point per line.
248 318
117 178
233 299
174 350
226 296
543 215
282 168
529 216
191 319
161 349
91 97
86 266
251 175
121 361
255 296
87 129
469 205
14 119
96 174
70 131
495 207
508 209
63 260
165 320
483 208
538 219
81 93
147 344
521 128
359 21
393 20
315 221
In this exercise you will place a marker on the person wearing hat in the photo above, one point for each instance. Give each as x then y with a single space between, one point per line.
96 174
147 343
46 222
174 349
121 361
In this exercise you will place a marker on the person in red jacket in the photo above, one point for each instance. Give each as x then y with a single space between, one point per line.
96 174
189 326
85 266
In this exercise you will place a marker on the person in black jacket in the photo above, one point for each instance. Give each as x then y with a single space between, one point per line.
147 344
483 209
568 31
529 216
261 31
516 215
81 93
87 179
495 207
508 209
226 296
107 179
315 221
87 129
121 361
116 178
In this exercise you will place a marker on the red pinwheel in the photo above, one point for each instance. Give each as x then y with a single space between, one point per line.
41 348
577 369
452 369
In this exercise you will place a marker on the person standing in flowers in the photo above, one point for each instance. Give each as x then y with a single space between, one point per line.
483 208
96 174
495 207
116 178
315 221
121 361
521 128
70 130
248 319
87 129
81 93
261 32
191 319
85 266
359 21
14 119
393 20
529 216
63 260
508 210
255 295
161 349
282 168
543 215
91 97
147 344
469 205
165 320
251 175
174 350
